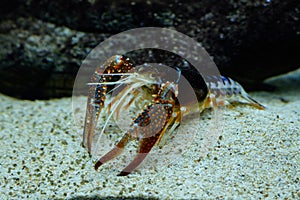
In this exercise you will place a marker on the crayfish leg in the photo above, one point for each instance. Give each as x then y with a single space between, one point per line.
175 122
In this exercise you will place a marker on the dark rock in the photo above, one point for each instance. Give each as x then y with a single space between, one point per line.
8 6
43 42
40 60
268 47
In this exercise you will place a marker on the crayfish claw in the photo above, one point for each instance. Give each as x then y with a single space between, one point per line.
134 164
145 147
147 128
117 150
100 84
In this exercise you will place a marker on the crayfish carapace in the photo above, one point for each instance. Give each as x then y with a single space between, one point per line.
157 100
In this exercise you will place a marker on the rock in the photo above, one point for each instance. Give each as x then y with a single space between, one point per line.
40 60
43 42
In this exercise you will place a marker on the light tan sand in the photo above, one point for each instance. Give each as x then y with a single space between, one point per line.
257 155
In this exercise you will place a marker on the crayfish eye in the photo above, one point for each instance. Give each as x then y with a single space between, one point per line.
118 59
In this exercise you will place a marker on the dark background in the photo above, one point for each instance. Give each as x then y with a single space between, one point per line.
43 42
